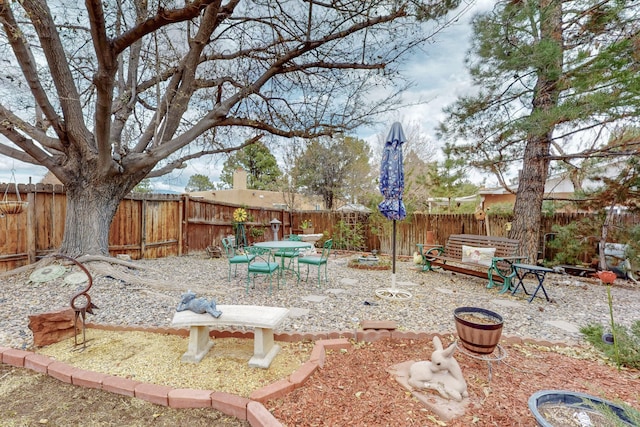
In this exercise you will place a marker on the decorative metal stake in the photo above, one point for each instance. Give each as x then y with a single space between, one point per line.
80 308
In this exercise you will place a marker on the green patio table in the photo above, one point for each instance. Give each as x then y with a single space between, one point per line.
284 244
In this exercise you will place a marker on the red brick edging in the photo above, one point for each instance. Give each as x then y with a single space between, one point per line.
251 409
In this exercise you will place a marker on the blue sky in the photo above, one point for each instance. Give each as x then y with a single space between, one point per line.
438 73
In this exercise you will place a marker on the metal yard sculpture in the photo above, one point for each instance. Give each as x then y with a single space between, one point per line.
80 303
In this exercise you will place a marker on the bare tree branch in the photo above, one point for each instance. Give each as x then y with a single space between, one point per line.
165 17
179 163
28 66
42 20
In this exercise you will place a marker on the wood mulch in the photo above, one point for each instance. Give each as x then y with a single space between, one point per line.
354 387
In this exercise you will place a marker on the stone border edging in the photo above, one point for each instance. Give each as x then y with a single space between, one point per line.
251 409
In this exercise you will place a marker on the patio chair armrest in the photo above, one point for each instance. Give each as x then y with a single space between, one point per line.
423 250
509 259
509 271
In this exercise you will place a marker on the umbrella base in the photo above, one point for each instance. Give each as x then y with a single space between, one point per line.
393 294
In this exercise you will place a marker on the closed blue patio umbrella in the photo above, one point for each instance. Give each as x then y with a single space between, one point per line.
392 175
392 187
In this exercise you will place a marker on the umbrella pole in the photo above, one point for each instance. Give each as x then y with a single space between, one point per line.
393 258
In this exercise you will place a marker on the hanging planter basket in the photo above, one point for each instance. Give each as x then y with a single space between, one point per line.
12 207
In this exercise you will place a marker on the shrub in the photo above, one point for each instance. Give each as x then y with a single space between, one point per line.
349 237
628 343
633 247
576 242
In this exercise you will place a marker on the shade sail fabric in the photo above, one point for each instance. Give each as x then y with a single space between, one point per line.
392 175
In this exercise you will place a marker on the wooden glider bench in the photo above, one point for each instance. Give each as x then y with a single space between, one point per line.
497 266
263 319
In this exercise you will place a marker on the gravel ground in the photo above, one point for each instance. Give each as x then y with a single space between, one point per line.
348 299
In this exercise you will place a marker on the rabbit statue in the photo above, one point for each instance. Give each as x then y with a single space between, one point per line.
442 373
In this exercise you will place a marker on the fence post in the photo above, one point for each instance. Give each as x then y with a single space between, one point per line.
143 227
31 225
185 223
181 226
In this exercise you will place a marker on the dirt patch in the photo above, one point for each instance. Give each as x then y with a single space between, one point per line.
353 387
30 399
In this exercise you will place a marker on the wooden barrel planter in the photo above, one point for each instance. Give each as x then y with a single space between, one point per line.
479 330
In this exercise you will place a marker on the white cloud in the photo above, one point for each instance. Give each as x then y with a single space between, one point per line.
439 77
25 173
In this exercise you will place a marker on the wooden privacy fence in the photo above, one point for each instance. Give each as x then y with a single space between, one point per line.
159 225
144 226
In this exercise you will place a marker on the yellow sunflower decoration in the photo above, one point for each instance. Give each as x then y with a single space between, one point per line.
240 215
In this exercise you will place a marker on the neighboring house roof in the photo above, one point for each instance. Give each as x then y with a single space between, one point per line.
50 178
556 185
241 195
560 184
445 201
255 198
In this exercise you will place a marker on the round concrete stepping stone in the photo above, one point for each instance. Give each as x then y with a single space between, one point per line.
77 278
48 273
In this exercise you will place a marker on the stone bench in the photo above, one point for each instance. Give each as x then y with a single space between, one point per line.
262 319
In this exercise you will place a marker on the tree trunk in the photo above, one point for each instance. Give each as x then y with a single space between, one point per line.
90 211
527 210
528 206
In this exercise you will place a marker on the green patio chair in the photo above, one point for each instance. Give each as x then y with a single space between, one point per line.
263 262
235 257
317 261
289 255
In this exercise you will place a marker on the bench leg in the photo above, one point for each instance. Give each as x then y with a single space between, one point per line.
199 344
264 349
506 286
426 260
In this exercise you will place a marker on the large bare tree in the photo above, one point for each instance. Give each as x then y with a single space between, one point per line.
106 94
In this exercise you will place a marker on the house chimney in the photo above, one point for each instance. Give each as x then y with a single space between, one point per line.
240 179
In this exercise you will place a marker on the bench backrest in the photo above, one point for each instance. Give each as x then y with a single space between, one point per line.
504 247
